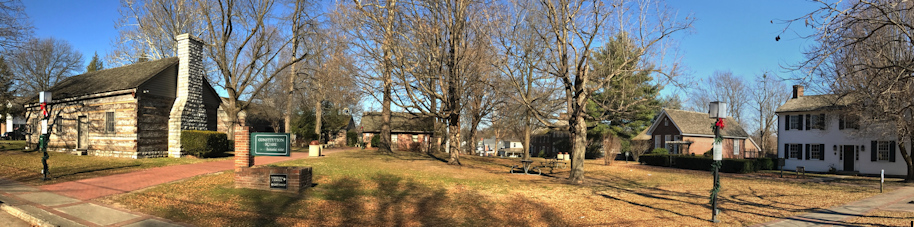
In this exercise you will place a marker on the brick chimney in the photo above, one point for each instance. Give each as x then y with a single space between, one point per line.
797 91
188 111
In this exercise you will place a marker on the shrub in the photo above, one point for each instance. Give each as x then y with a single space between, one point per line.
352 138
655 159
694 162
764 164
660 151
204 144
375 140
738 166
229 145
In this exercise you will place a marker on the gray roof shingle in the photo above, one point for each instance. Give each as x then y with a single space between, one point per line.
813 103
697 123
114 79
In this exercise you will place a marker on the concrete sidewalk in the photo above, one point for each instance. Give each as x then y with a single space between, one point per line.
68 203
835 216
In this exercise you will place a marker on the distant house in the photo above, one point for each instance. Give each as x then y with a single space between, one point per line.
337 134
134 111
687 132
814 133
12 122
407 131
550 141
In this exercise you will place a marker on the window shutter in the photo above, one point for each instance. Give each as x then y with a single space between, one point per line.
873 150
787 122
800 125
807 122
800 151
821 151
840 152
807 151
786 151
841 122
892 151
821 122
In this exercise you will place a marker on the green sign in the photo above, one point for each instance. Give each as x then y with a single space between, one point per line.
270 144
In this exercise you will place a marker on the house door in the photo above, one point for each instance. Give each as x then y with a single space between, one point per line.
848 158
82 133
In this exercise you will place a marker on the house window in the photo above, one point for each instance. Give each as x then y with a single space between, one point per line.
656 141
58 125
109 122
817 121
666 145
666 122
882 150
736 147
676 146
794 122
794 151
393 138
815 151
415 138
848 121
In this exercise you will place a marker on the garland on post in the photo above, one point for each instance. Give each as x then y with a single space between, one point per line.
715 166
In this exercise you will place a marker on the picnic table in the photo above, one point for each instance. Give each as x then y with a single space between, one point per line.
526 167
554 163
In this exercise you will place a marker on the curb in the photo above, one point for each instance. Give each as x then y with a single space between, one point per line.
25 216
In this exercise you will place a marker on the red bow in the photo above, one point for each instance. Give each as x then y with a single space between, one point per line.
720 123
44 110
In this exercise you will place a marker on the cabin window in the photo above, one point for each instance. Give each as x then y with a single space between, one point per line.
109 122
415 138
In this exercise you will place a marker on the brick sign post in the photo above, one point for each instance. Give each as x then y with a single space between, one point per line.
273 178
243 158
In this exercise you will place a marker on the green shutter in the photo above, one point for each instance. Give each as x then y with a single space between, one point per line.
807 123
892 151
800 125
873 150
821 151
787 122
786 151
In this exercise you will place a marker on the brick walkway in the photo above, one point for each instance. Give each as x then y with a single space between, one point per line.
69 203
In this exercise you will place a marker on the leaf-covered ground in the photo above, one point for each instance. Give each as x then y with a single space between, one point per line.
25 166
363 188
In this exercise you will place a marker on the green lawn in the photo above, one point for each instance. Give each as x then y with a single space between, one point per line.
363 188
25 166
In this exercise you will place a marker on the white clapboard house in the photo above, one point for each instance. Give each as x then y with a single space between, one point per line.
815 135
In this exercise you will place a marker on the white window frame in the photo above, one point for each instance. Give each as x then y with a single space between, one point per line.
794 122
882 150
666 145
393 138
736 146
415 138
676 146
794 151
814 152
110 122
656 141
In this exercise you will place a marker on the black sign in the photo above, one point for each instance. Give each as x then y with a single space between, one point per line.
279 181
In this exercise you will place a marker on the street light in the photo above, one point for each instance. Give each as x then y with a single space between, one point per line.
716 110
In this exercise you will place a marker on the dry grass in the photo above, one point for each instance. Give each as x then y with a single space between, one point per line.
25 166
362 188
884 218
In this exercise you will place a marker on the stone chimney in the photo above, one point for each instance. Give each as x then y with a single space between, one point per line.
188 111
797 91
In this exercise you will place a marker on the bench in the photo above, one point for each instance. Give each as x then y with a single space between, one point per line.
801 169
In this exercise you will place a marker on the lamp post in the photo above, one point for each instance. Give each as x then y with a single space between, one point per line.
718 111
44 97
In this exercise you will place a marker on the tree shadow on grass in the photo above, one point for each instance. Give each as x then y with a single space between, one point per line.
377 200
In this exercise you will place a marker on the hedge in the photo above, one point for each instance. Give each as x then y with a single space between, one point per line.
704 163
204 144
352 138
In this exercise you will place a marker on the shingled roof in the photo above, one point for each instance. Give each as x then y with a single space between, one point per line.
813 103
399 122
697 123
115 79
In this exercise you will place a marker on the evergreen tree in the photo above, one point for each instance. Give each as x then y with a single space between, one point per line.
629 102
6 88
96 64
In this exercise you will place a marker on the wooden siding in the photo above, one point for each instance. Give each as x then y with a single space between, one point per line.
163 84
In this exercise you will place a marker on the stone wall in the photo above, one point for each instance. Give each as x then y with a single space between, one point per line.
188 111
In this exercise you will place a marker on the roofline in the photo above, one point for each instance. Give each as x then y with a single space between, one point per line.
650 131
88 96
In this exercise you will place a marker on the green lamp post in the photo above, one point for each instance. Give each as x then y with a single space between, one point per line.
717 111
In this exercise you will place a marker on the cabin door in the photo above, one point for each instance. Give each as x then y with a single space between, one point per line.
848 157
82 133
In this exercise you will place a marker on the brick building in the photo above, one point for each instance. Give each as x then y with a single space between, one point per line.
687 132
407 131
134 111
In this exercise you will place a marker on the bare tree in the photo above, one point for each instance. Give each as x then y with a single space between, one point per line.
41 63
147 29
725 87
569 30
766 97
375 30
14 24
863 56
243 39
329 76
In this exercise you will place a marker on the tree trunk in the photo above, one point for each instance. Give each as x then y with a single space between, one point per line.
526 148
454 138
907 160
578 147
318 116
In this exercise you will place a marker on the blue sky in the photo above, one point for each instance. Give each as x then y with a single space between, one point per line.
728 35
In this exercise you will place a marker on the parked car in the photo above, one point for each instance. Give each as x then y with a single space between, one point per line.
14 135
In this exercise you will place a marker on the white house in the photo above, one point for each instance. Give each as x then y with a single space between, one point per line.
12 122
814 134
